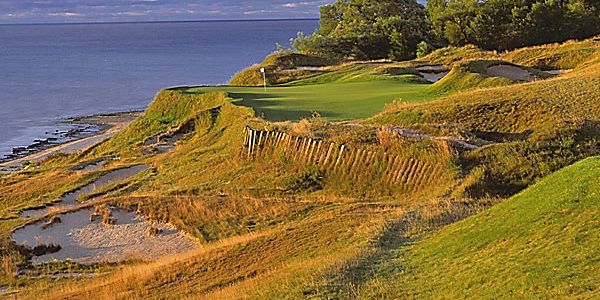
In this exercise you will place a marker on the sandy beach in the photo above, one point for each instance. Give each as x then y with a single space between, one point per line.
111 124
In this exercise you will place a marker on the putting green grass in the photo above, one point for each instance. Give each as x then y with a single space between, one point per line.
333 101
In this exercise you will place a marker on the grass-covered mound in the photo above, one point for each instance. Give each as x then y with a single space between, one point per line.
541 243
365 71
468 75
541 107
568 55
169 109
540 127
280 67
450 55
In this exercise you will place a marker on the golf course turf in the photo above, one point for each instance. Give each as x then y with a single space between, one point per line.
333 101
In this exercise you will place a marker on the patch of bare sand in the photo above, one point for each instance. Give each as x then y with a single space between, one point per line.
510 72
433 77
87 240
433 73
123 241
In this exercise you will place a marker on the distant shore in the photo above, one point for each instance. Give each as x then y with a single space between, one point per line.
80 140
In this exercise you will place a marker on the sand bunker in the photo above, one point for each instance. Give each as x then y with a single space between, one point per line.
432 68
557 72
87 241
510 72
308 68
433 77
165 141
433 73
92 166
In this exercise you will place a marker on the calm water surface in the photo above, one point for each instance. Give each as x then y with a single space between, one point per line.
51 72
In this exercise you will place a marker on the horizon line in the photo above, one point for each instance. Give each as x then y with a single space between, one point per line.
163 21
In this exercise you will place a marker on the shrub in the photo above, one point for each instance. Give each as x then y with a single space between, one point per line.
423 48
311 179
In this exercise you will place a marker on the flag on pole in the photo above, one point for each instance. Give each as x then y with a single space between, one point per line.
262 70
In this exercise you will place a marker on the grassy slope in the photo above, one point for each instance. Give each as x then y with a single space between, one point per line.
466 76
568 55
295 236
541 106
542 243
543 126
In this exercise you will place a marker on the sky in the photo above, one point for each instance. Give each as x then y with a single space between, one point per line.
74 11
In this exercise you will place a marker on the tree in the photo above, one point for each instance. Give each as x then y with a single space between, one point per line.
508 24
367 29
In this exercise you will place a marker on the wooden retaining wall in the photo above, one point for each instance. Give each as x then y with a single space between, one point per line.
350 163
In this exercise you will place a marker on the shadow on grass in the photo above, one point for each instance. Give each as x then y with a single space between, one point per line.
503 137
343 282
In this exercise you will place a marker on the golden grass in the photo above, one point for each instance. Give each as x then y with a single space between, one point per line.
261 239
219 264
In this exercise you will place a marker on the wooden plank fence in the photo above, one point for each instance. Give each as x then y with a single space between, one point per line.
352 163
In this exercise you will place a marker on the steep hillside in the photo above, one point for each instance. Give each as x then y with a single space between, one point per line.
541 243
538 127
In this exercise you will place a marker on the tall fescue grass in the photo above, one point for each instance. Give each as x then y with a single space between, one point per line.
275 227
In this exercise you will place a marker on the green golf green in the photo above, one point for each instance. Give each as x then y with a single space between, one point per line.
333 101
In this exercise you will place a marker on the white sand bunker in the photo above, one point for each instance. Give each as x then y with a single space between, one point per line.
557 72
433 77
87 240
510 72
433 73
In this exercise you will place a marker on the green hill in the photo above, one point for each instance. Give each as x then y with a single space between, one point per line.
542 243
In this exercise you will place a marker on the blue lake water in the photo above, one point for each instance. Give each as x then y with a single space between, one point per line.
52 72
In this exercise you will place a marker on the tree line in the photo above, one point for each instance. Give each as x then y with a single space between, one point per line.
401 29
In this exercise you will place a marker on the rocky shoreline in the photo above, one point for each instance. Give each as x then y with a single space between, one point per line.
95 128
57 137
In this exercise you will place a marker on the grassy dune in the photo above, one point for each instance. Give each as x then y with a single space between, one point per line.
541 243
568 55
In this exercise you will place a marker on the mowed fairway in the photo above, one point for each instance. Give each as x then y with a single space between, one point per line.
333 101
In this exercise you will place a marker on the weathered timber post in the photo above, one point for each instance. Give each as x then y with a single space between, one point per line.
339 156
260 137
413 170
404 170
298 154
357 159
251 142
421 175
331 146
391 170
317 157
311 151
